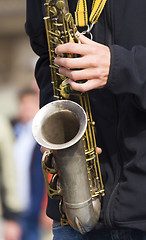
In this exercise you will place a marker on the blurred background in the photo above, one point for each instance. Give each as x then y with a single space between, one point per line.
17 60
17 63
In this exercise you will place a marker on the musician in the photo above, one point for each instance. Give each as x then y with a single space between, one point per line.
114 65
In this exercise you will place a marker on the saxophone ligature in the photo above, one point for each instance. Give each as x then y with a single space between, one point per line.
66 127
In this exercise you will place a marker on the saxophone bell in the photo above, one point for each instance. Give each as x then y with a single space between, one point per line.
60 126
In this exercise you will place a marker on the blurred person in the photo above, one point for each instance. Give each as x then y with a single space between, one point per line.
30 183
9 205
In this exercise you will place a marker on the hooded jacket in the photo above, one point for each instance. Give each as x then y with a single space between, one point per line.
119 109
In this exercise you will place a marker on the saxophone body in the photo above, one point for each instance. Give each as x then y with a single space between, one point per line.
66 127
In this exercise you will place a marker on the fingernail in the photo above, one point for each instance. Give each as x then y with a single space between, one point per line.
56 50
69 81
61 70
56 60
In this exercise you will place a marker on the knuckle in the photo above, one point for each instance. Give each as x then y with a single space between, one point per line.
67 63
69 47
94 62
83 88
93 49
99 72
64 62
72 75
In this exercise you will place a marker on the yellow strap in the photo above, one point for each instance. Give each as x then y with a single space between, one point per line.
81 14
97 8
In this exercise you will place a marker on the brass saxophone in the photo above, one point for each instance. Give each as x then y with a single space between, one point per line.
66 127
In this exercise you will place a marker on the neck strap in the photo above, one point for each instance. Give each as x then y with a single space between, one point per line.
81 13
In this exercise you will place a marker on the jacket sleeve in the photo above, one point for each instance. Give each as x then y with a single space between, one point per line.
128 73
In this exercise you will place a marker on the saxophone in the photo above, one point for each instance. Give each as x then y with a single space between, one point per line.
66 127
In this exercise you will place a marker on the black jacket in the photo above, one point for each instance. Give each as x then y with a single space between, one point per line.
119 109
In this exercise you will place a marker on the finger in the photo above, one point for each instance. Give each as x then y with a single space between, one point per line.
79 62
72 63
83 39
75 48
43 149
87 73
99 150
87 86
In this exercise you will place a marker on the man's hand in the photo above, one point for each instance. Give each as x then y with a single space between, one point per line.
43 149
99 150
92 65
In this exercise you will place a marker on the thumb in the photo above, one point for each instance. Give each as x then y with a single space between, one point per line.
99 150
83 39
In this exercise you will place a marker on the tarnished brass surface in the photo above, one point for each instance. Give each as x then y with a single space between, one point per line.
66 128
